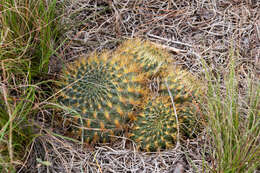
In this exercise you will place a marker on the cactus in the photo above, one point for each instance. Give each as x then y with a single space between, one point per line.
182 84
156 127
187 91
133 83
150 58
104 91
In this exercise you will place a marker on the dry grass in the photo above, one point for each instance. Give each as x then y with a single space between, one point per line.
64 156
194 30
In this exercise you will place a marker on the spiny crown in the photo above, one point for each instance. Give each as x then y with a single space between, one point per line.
147 55
104 91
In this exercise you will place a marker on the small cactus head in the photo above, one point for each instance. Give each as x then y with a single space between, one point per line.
104 91
182 84
156 127
149 57
186 92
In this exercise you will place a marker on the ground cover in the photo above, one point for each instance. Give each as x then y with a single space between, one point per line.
217 41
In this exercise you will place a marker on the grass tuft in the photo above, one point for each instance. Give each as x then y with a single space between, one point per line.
29 30
233 122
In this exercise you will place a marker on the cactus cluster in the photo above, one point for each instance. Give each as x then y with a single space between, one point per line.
112 92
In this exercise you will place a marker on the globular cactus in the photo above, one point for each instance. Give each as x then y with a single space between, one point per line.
156 127
183 85
151 59
104 91
187 92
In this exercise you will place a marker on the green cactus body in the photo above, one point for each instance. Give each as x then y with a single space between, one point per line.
156 127
104 91
150 58
186 90
183 86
